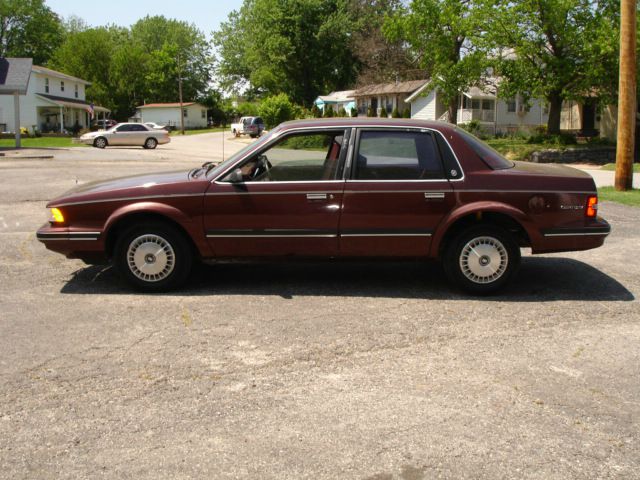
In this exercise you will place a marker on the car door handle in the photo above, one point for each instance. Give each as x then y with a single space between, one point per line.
316 196
434 195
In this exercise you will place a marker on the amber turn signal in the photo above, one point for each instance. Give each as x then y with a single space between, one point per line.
592 206
56 216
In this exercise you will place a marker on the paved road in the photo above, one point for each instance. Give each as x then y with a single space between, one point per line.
313 370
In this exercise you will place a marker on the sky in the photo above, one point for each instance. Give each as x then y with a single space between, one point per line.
205 14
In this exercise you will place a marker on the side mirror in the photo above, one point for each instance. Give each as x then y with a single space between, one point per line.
235 176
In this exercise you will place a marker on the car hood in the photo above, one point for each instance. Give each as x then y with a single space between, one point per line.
93 134
147 185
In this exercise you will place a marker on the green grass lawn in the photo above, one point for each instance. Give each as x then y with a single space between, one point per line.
630 197
612 167
41 142
198 132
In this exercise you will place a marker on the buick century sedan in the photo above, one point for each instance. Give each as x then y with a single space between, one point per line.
335 188
127 134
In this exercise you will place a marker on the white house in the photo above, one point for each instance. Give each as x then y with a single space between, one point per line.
53 102
494 115
195 115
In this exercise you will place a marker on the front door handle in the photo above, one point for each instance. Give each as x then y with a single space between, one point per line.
434 196
316 196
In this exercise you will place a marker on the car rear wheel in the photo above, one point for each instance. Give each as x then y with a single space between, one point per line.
151 143
153 257
482 259
100 142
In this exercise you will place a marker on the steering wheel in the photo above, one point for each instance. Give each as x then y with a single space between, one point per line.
262 168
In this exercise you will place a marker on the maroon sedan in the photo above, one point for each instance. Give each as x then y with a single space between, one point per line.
335 188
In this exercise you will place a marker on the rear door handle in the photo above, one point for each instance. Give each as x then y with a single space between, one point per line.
316 196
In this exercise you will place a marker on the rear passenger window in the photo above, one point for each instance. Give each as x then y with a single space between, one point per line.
397 156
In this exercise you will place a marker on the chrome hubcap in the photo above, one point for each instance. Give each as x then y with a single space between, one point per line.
100 142
150 258
484 260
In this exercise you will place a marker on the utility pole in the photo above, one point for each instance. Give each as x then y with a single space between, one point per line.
180 94
626 96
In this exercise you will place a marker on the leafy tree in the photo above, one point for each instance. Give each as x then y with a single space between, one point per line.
28 28
379 60
441 37
555 49
299 47
276 109
175 49
88 54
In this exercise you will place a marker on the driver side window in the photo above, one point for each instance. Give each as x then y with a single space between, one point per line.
303 157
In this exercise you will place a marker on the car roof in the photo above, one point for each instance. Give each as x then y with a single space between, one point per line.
342 122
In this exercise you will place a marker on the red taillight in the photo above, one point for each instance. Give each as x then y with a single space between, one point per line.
592 206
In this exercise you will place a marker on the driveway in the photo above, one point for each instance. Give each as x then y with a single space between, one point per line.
309 370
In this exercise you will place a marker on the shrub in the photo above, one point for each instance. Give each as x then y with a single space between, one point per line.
406 113
562 139
370 112
315 111
276 109
383 113
248 109
396 113
354 112
328 112
342 112
472 127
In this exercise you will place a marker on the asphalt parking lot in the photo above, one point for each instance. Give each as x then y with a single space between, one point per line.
310 370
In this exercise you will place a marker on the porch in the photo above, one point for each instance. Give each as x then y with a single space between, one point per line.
482 110
60 115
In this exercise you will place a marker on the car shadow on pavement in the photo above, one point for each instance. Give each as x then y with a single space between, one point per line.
539 279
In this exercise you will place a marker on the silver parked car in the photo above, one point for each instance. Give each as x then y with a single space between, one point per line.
132 134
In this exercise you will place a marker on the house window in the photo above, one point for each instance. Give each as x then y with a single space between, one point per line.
475 104
204 114
511 105
46 85
76 91
487 104
185 113
62 86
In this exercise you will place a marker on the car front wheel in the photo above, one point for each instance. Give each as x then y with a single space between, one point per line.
482 259
150 143
153 257
100 142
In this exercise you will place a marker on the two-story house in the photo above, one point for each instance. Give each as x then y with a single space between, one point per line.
54 102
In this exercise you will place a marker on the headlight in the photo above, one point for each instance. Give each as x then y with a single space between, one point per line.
56 216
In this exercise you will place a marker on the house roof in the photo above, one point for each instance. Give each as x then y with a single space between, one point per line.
54 73
70 102
390 88
14 75
166 105
337 97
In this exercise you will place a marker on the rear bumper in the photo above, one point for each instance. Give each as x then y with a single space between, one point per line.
87 244
569 239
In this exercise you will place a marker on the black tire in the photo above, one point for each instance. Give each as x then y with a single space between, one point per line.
100 142
138 247
150 143
495 259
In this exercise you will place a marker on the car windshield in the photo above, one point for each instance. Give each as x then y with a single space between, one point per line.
492 158
236 156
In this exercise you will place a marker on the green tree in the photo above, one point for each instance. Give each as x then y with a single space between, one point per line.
298 47
276 109
87 54
28 28
441 36
554 49
175 49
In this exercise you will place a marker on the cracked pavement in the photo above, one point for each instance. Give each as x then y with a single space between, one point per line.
309 370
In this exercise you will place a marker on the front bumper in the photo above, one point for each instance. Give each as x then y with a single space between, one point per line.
84 244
